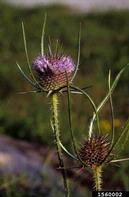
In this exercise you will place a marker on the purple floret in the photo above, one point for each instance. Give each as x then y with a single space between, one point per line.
51 71
56 64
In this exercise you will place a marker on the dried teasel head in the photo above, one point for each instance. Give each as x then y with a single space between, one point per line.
94 151
51 71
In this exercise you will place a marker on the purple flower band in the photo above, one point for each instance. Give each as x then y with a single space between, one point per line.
51 71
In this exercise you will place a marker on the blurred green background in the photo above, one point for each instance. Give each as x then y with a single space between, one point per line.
104 46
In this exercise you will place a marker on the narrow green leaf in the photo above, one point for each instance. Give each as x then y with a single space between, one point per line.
70 123
93 106
119 160
65 150
126 139
43 34
27 92
78 55
27 57
70 118
123 132
25 76
106 97
86 94
126 128
25 47
63 89
112 110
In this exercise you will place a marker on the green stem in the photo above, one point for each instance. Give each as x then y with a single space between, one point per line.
56 131
97 174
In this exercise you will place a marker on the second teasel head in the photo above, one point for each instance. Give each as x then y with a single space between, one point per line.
94 151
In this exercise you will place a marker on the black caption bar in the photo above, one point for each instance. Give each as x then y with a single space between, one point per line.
110 194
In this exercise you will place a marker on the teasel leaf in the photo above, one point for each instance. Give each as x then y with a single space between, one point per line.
28 92
70 123
64 148
112 109
26 50
92 104
124 131
69 168
43 34
72 90
113 86
27 57
84 93
70 118
66 151
119 160
78 92
78 55
126 139
25 76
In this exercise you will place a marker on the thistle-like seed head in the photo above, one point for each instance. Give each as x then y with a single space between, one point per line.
51 71
94 151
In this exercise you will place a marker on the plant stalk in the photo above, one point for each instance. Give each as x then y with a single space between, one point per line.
97 174
56 131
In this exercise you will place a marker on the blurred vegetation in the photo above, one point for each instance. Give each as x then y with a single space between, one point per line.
104 46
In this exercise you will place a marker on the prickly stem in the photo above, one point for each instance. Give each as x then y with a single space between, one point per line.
97 174
56 132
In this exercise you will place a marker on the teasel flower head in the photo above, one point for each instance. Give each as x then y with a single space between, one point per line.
94 151
53 71
50 71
